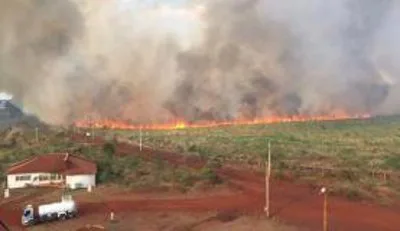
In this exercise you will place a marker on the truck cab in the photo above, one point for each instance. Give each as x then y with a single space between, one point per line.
28 217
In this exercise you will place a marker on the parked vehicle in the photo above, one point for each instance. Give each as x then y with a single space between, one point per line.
63 210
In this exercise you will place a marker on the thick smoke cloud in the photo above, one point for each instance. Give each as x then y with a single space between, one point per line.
33 35
227 59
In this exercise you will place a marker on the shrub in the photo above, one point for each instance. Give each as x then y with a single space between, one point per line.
104 176
215 162
353 194
104 172
160 167
185 178
109 149
392 162
193 148
210 176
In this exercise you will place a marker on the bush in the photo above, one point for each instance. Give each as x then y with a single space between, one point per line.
104 171
109 150
104 176
215 162
185 178
208 174
353 194
193 148
160 167
392 162
116 169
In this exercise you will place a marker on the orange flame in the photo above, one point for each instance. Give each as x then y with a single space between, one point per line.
181 124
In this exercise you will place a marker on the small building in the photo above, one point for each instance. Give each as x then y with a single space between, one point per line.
52 169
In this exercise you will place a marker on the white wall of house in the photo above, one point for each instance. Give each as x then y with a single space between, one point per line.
33 179
80 181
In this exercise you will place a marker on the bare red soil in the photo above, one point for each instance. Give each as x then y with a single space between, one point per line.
296 204
293 203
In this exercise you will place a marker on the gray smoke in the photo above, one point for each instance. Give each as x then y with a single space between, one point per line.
65 59
33 35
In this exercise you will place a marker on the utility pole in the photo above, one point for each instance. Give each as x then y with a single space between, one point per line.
325 212
92 132
37 134
92 123
267 180
140 139
86 128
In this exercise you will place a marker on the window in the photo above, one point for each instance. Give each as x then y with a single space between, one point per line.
43 177
53 176
23 178
79 185
27 213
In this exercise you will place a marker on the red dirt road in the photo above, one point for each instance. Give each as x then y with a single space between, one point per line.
216 203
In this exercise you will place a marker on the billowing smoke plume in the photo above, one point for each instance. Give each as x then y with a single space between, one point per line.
208 59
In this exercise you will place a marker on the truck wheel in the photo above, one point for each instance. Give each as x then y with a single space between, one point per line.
63 217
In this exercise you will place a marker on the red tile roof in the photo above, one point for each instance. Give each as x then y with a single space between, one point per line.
61 163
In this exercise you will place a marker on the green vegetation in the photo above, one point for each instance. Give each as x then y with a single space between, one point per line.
365 153
132 171
357 157
128 171
344 144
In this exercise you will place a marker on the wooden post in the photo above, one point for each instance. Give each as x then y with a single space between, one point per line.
326 212
267 181
325 209
89 189
6 193
112 216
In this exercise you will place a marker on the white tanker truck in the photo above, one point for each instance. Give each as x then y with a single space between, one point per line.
55 211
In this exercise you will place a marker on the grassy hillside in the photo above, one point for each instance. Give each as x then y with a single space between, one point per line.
359 158
363 154
130 172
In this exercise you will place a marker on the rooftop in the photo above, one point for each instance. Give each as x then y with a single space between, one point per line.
61 163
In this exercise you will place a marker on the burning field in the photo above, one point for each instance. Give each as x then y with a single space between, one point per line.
214 82
200 60
114 124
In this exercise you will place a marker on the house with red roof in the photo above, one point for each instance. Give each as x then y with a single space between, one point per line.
53 169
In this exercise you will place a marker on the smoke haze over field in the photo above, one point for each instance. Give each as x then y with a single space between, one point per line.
207 59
